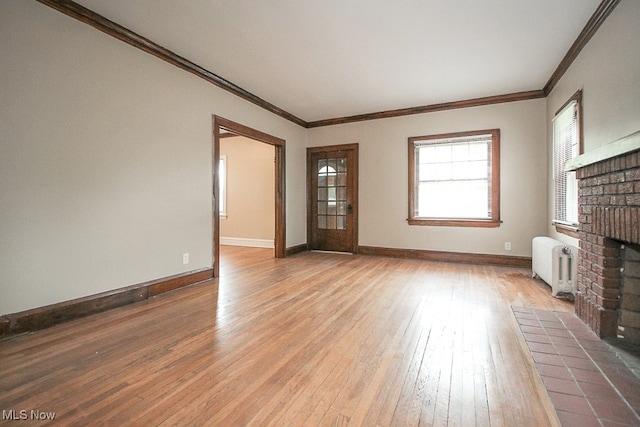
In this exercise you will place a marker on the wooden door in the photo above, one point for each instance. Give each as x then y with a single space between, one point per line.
332 196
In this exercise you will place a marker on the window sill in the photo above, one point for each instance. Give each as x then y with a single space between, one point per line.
455 222
566 229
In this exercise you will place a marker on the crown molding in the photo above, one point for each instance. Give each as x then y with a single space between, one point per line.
111 28
597 19
475 102
81 13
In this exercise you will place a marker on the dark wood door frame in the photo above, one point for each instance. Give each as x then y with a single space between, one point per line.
354 183
220 127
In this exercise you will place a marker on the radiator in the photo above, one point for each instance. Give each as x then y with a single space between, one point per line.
556 263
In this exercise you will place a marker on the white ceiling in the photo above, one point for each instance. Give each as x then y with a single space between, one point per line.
324 59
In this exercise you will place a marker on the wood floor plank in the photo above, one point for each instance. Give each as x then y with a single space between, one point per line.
313 339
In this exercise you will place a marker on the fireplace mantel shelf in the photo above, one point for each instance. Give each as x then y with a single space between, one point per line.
617 148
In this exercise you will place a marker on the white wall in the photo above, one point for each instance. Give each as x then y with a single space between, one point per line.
106 161
250 190
383 187
608 72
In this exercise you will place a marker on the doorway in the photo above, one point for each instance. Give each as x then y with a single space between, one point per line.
247 186
332 198
222 127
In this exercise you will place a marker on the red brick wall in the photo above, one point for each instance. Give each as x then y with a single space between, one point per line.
609 215
629 318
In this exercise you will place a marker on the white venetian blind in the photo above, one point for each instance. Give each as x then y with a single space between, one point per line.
566 146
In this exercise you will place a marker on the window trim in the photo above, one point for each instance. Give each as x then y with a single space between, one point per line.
564 227
494 221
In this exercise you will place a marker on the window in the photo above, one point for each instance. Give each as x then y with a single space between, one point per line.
332 193
222 176
327 179
567 144
454 179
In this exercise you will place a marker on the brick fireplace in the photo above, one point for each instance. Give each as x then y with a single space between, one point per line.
608 295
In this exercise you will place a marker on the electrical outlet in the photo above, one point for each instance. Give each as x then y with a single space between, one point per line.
185 258
507 246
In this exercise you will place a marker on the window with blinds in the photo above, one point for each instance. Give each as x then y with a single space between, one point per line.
566 146
454 179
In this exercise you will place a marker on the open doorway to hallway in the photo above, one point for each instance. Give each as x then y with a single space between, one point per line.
247 188
247 145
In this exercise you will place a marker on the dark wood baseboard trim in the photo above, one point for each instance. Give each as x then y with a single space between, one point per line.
459 257
50 315
4 327
296 249
160 286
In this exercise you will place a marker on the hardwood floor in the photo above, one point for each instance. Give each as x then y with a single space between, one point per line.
313 339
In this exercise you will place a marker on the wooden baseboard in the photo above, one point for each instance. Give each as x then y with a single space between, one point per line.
4 327
50 315
160 286
465 258
296 249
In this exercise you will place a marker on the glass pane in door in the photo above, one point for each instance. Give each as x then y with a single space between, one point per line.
332 194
